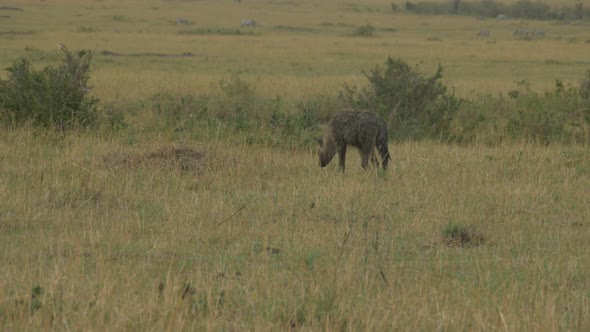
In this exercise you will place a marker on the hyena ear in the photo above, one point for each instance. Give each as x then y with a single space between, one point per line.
320 141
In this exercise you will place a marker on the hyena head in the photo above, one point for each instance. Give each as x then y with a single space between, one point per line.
327 148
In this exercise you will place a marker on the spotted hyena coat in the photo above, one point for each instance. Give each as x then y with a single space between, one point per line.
361 129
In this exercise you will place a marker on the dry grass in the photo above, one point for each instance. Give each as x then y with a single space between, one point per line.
141 231
257 238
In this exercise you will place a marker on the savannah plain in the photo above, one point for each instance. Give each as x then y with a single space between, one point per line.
158 226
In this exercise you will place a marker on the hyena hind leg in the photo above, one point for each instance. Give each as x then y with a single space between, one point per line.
384 152
364 160
374 159
366 154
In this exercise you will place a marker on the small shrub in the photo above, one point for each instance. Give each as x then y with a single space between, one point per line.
413 105
481 119
458 235
560 115
238 104
235 86
552 117
410 6
36 299
178 112
51 97
320 106
293 122
111 119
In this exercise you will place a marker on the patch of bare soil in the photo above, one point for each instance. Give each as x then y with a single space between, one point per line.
182 158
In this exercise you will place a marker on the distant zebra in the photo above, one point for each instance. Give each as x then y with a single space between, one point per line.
182 21
521 33
248 24
484 33
539 33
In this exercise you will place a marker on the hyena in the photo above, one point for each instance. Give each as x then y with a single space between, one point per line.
361 129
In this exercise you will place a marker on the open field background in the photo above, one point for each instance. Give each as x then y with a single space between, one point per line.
168 226
189 236
302 47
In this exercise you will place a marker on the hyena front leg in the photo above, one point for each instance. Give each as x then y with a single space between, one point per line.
365 153
342 156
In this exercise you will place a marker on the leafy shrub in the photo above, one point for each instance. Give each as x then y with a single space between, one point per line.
238 102
459 235
414 106
553 117
417 106
178 112
111 119
482 119
51 97
320 106
557 116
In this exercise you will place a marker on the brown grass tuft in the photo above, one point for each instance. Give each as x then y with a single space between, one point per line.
455 235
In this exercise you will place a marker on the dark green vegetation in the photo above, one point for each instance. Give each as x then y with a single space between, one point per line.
414 105
55 97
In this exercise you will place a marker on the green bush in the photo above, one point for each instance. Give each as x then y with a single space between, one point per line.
414 106
178 112
52 97
459 235
553 117
482 119
239 102
557 116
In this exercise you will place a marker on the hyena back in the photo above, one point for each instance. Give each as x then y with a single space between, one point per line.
361 129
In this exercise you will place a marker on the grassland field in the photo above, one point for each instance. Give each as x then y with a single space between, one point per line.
151 230
300 48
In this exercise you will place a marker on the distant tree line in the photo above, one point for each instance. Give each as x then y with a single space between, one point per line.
523 9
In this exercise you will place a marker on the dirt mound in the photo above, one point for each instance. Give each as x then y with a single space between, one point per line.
186 159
